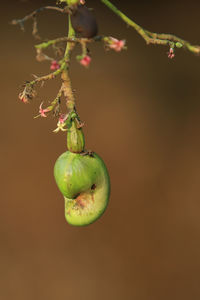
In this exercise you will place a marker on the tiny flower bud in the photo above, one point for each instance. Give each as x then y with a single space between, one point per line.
179 45
54 65
115 44
171 53
85 61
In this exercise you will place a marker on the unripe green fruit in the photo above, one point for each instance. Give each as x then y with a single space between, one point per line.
75 137
84 182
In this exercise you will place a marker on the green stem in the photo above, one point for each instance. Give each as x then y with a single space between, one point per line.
45 45
128 21
46 77
151 37
70 2
67 86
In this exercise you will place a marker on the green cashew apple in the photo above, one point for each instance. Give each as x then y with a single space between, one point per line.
81 177
84 182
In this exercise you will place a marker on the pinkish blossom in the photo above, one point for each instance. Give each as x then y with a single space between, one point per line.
171 53
54 65
82 2
116 44
62 118
85 61
43 111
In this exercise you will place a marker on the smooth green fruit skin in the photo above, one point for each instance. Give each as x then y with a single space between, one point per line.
84 179
75 138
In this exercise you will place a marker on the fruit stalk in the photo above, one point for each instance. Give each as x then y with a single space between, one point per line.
75 136
67 86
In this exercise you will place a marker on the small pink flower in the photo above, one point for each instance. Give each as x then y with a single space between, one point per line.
62 118
116 44
42 111
54 65
82 2
171 53
85 61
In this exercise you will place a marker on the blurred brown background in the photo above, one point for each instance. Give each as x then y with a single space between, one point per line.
142 115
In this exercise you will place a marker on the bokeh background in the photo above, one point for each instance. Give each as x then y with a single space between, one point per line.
141 111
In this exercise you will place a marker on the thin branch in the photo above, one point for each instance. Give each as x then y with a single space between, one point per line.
151 37
48 76
29 87
173 38
45 45
35 12
33 15
54 106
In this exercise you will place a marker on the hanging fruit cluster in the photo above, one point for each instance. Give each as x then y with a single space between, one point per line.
82 178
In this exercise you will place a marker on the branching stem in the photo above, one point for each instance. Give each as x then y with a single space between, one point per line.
61 67
151 37
33 16
48 76
35 12
45 45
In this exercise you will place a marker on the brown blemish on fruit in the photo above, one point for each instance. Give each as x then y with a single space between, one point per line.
80 201
92 196
93 187
84 199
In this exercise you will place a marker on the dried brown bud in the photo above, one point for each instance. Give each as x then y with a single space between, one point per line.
84 22
28 93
